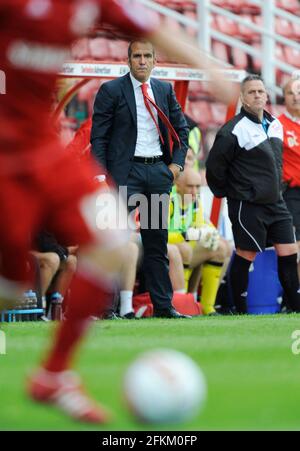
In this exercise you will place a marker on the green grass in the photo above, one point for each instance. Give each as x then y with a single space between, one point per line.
253 376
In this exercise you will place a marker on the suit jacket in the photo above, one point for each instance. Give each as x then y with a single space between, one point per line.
114 129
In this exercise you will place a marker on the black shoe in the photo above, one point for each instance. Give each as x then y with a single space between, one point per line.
129 315
168 313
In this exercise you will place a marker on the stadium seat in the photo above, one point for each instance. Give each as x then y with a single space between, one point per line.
258 20
247 7
173 4
289 5
257 62
226 26
296 31
118 50
284 27
186 5
220 51
236 6
194 89
246 33
292 56
198 90
200 111
220 3
239 58
80 49
279 52
99 49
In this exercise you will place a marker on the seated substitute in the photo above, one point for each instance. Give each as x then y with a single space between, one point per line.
201 248
57 266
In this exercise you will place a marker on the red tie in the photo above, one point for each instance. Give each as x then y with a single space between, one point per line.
160 113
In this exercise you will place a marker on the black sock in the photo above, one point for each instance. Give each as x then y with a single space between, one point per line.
288 276
223 298
239 277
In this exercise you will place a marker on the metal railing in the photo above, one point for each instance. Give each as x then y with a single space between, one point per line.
269 62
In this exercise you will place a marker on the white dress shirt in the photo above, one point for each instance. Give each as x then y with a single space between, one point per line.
148 142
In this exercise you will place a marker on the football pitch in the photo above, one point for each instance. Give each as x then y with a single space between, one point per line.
252 374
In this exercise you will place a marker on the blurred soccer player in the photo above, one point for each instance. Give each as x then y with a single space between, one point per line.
41 186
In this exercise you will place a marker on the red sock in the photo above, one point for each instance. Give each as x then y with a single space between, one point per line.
87 299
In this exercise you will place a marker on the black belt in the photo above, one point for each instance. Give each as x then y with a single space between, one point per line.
148 160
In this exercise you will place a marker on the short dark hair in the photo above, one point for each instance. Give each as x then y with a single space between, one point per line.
139 40
251 77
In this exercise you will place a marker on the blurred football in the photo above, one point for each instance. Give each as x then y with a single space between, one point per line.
164 386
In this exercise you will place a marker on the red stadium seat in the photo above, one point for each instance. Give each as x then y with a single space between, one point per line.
296 30
226 26
198 90
258 20
242 6
292 56
284 27
247 33
220 3
257 62
220 51
279 52
235 5
289 5
118 50
239 58
174 4
80 49
194 88
99 49
186 5
201 113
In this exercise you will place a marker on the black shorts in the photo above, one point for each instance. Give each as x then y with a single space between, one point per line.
292 200
257 226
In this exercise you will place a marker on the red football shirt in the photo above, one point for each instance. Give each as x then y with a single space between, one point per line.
34 42
291 150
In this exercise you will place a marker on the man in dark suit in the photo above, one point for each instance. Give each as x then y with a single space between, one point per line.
132 143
